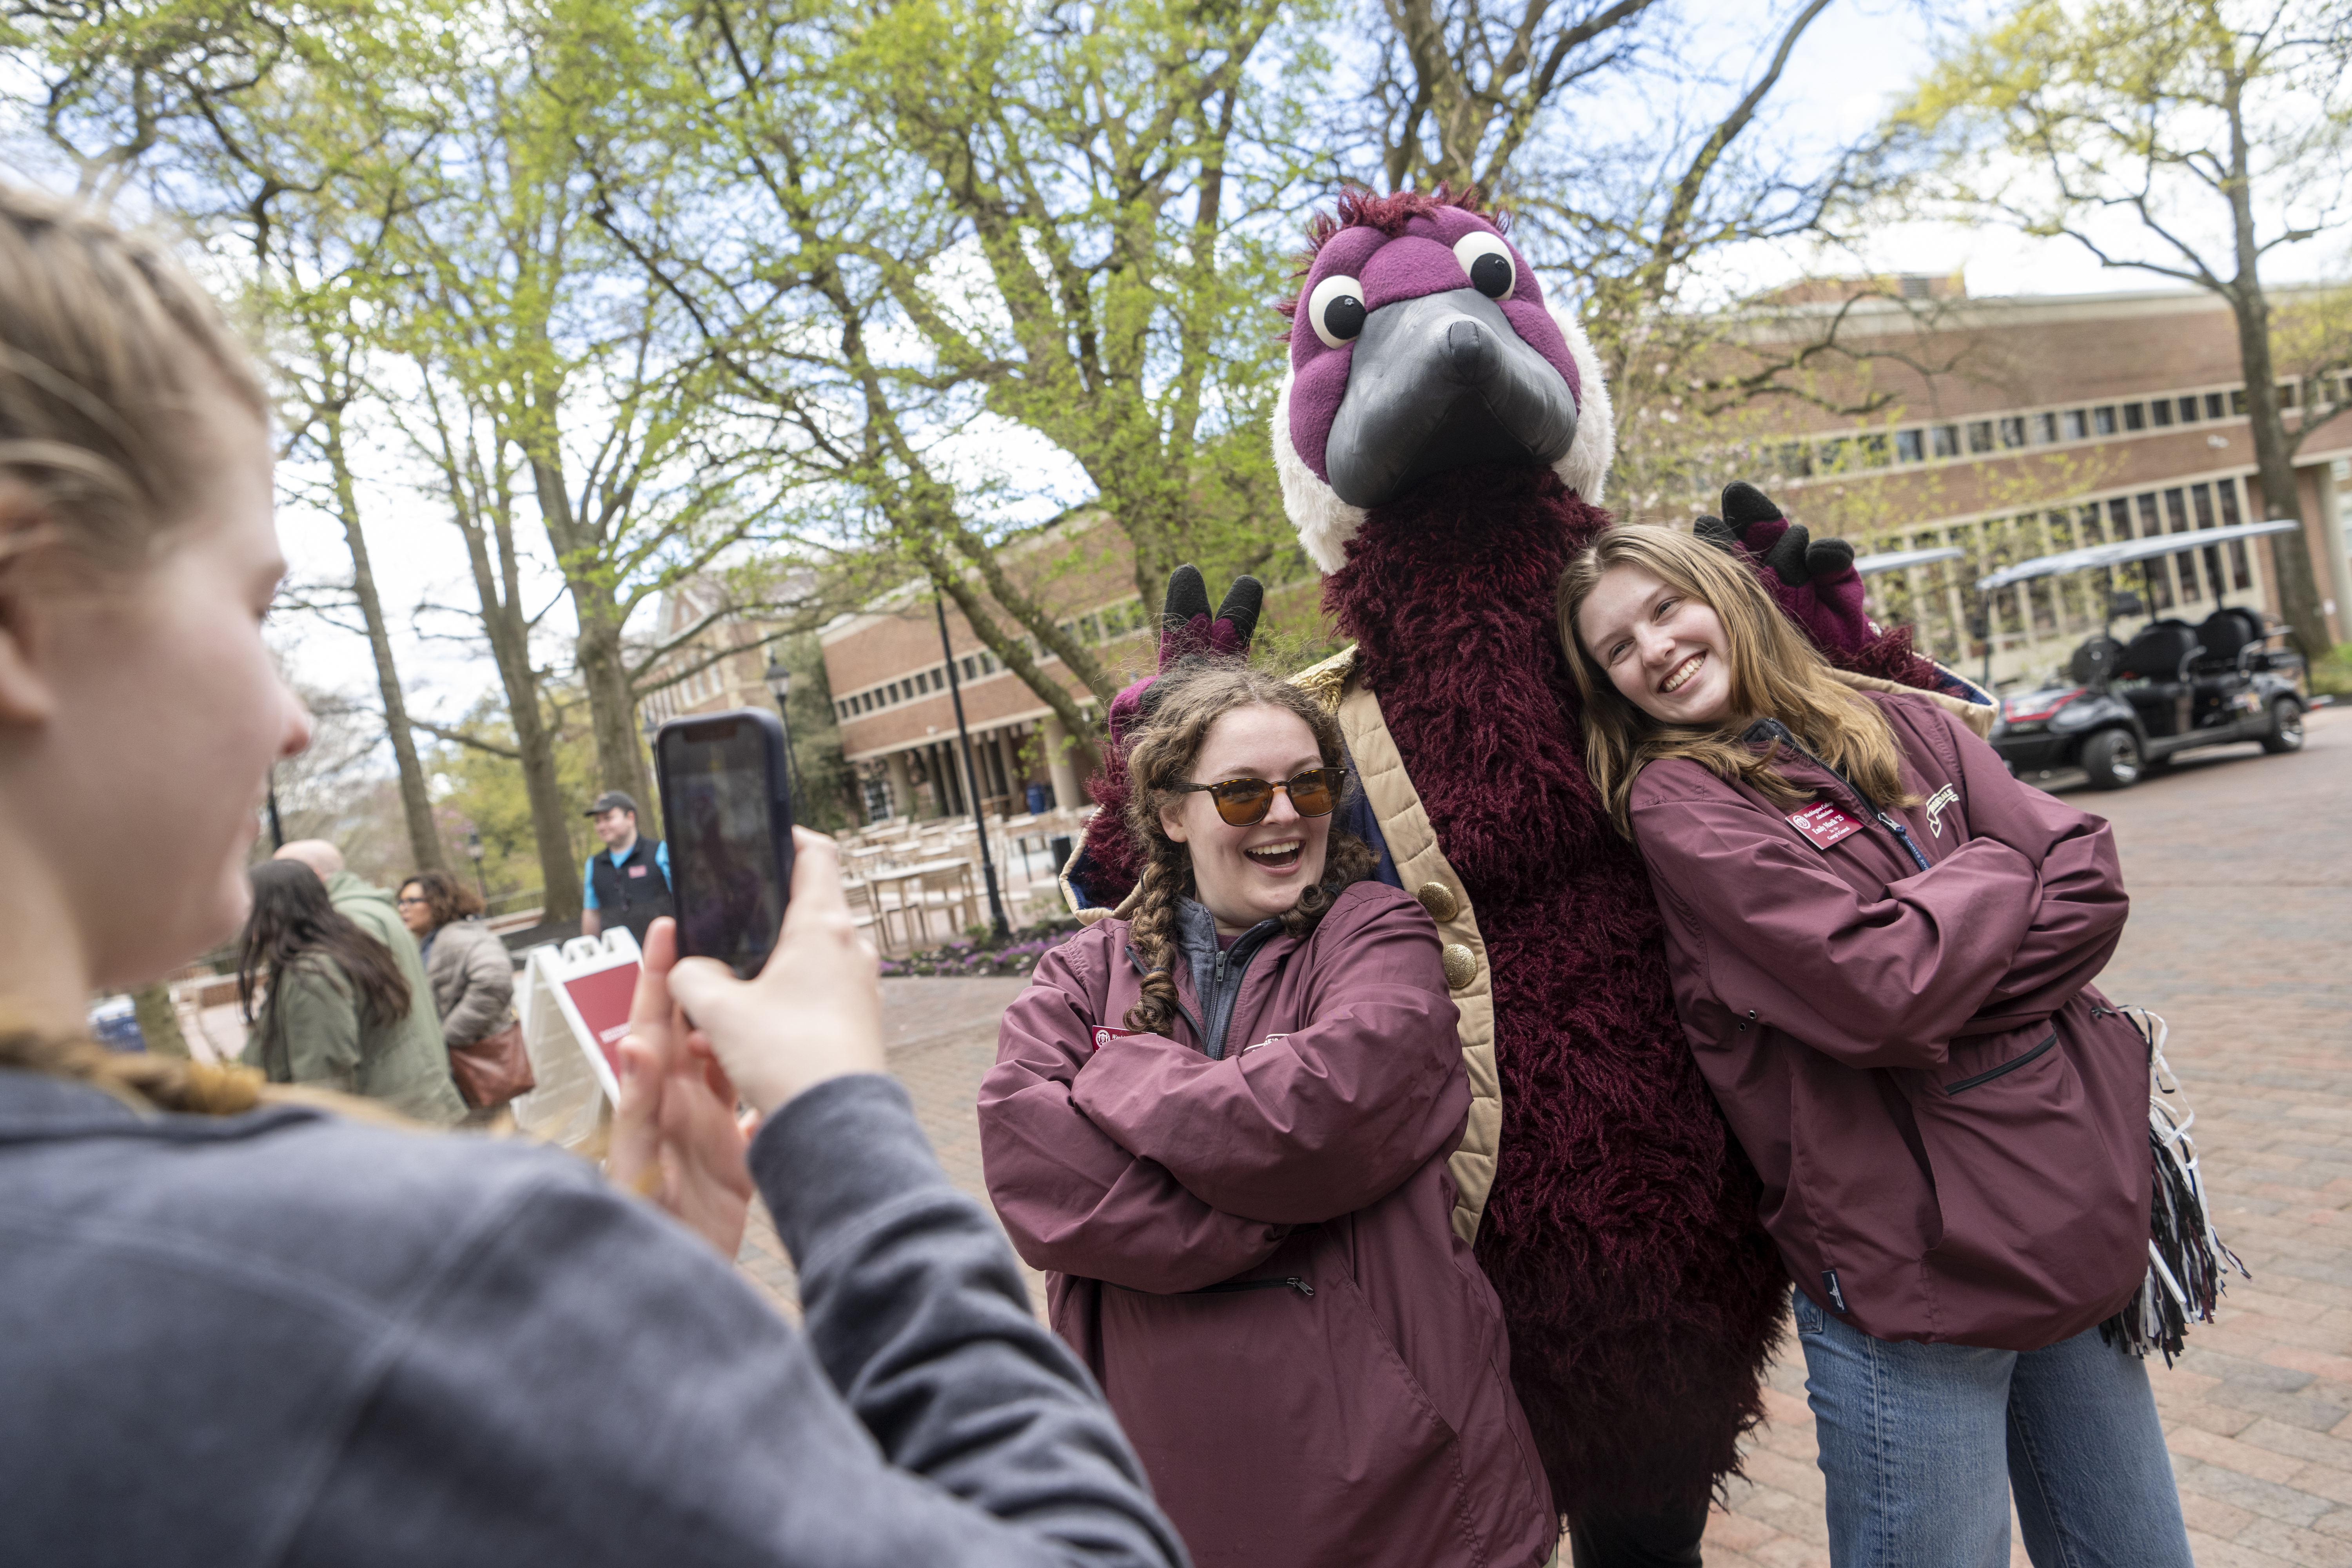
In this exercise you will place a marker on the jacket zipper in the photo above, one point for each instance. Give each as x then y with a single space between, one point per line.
1287 1282
1226 1288
2009 1066
1781 731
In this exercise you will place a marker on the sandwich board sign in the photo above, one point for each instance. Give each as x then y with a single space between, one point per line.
574 1004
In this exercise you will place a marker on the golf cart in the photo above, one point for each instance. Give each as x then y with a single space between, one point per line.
2123 709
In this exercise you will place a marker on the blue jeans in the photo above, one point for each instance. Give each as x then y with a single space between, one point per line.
1923 1446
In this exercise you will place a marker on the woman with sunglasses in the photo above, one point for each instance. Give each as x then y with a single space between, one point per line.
1220 1119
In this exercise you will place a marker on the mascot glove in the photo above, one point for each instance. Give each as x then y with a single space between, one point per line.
1813 579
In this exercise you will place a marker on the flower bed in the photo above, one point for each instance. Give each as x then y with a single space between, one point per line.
984 955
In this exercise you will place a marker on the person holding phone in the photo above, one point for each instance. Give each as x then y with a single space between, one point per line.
1221 1119
311 1338
1883 948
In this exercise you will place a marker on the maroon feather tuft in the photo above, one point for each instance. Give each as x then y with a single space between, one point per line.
1641 1295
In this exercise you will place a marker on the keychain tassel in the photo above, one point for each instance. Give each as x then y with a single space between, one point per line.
2188 1265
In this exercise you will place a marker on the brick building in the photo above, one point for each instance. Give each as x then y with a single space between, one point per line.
889 681
727 660
2015 427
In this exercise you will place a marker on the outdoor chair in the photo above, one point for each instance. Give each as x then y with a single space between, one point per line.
948 890
866 911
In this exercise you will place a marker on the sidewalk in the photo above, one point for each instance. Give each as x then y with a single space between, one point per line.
2241 872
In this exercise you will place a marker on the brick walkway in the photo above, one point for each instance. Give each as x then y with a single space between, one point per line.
2241 872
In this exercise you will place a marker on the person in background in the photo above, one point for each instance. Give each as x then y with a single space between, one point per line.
471 971
367 905
313 1341
629 883
339 1013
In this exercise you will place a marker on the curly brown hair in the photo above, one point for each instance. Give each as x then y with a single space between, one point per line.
445 898
1161 750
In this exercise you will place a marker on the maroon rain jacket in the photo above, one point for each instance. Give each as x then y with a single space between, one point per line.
1255 1256
1950 1121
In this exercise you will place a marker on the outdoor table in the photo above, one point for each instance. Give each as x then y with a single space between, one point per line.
914 873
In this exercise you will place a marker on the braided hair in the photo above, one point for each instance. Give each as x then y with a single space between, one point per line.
1161 750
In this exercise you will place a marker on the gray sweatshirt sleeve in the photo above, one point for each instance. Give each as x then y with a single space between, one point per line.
586 1384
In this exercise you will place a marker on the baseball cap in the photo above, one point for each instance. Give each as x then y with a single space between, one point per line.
610 799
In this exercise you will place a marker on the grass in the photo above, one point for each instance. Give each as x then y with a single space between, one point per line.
2333 673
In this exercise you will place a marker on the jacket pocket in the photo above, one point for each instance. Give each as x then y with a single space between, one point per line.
2039 1166
1975 1080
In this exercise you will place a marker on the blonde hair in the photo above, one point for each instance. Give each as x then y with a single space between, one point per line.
106 347
1775 672
1163 744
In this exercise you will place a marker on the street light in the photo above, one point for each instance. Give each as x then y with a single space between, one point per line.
474 849
972 779
780 681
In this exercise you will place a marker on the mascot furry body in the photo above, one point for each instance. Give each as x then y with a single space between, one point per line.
1442 441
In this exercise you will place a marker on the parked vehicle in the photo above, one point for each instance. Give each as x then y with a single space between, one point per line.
2122 709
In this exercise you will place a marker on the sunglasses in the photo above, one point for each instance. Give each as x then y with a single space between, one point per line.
1243 803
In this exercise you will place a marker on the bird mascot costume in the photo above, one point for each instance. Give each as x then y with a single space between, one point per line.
1442 440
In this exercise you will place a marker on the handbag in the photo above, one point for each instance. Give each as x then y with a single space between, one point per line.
2187 1260
494 1069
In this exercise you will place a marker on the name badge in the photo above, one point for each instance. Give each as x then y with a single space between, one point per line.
637 870
1104 1035
1823 824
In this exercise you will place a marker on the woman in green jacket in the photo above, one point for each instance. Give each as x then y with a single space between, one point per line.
338 1012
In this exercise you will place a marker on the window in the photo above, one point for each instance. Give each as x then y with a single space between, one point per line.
894 691
2213 404
2188 411
2286 395
1981 435
1944 441
1874 452
1910 446
1834 458
2103 421
2045 429
2134 417
1090 628
2119 519
987 663
970 668
2160 412
2013 431
1796 460
2071 422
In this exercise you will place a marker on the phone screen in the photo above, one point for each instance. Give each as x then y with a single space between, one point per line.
729 836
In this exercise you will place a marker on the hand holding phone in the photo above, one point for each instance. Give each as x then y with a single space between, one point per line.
675 1137
815 1010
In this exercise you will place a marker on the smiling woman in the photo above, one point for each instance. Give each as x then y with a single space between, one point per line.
1221 1116
1674 647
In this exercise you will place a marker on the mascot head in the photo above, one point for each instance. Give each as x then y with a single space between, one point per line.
1419 343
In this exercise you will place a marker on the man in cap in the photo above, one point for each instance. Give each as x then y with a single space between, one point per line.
629 883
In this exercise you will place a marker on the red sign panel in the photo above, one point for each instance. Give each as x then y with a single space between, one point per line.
602 1001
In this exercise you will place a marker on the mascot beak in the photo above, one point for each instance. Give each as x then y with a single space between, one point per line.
1439 383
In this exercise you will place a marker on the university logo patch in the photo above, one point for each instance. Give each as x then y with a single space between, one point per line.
1943 798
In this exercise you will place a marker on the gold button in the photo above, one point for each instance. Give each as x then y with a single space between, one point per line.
1439 900
1461 965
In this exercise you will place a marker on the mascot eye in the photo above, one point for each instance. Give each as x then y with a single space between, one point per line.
1336 310
1488 261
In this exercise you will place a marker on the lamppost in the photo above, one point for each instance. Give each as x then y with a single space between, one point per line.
972 779
474 849
780 681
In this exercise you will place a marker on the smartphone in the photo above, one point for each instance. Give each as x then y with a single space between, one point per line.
727 801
